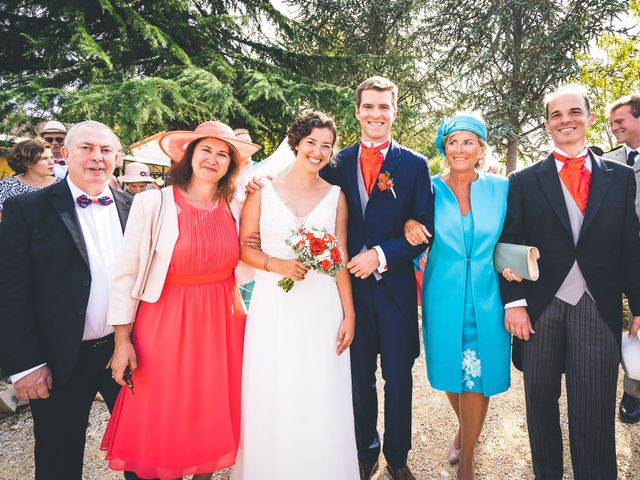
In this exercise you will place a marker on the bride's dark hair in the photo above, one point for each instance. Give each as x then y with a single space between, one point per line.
306 122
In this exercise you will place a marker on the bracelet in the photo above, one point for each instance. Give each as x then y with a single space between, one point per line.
265 265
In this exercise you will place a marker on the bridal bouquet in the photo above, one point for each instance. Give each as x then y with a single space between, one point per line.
317 249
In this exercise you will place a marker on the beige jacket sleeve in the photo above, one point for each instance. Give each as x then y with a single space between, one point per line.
126 286
122 300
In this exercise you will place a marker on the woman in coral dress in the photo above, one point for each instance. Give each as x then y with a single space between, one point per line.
180 413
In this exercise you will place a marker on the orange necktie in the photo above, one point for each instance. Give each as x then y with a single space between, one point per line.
576 177
371 160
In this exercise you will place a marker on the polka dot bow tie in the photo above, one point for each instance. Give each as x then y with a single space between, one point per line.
83 201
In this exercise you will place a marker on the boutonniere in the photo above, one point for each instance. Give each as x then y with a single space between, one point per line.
385 182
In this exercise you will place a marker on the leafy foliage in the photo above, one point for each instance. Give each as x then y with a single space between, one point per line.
144 66
615 72
346 41
503 56
140 66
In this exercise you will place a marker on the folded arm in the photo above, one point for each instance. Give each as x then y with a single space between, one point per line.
513 232
398 250
256 258
516 317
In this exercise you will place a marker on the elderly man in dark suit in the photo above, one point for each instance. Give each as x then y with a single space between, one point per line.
624 121
578 209
58 247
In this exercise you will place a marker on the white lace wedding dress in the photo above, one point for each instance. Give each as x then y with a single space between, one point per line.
297 413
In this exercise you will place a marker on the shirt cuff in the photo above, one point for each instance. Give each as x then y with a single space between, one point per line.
517 303
18 376
383 267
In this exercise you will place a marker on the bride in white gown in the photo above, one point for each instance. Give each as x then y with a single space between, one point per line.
297 413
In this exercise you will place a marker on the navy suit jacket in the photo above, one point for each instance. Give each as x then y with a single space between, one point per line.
382 222
44 280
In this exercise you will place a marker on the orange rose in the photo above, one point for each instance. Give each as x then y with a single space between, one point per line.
336 257
325 264
317 246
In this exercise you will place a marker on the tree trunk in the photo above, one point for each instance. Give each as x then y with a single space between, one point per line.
512 154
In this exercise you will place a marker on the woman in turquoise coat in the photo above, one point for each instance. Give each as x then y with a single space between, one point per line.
466 345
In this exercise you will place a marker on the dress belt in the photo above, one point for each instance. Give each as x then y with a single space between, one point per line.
175 279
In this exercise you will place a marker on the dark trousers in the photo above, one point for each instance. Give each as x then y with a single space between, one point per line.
60 421
381 329
576 340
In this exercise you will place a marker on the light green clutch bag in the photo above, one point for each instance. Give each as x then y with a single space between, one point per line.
521 259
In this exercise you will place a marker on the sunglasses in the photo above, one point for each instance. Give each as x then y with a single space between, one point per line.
57 139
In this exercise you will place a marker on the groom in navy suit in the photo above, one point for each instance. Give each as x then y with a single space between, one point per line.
385 185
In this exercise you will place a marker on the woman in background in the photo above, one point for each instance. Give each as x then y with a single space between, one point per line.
136 179
33 163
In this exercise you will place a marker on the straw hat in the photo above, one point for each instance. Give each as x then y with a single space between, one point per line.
54 127
136 172
175 143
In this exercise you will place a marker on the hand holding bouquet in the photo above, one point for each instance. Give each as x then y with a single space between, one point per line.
317 249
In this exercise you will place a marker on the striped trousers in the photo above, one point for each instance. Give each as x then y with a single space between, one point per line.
575 340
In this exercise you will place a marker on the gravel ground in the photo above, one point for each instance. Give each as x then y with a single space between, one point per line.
503 451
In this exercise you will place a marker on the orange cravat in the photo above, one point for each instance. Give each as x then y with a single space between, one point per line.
576 177
371 160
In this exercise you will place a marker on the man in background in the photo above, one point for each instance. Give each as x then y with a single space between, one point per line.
624 122
54 133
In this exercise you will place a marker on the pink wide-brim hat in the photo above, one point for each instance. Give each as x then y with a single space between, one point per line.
136 172
175 143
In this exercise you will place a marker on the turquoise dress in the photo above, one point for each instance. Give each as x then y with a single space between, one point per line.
471 365
466 345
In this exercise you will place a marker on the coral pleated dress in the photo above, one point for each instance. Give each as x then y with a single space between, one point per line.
184 415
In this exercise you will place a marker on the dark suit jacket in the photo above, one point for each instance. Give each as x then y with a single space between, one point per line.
608 249
44 280
382 222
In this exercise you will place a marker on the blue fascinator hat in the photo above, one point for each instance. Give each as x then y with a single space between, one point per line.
462 121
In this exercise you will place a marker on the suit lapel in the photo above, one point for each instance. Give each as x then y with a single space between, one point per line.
636 166
123 205
600 180
349 159
63 203
391 162
550 183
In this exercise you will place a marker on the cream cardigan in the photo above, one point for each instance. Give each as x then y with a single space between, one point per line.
126 284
